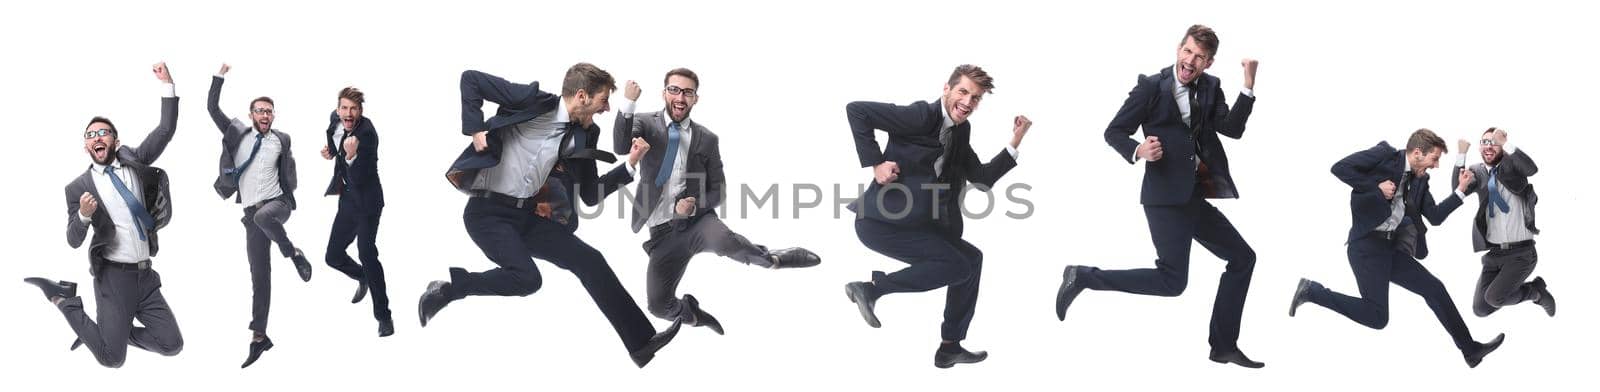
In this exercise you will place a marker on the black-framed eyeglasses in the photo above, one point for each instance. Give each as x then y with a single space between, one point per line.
686 92
94 133
1488 142
261 111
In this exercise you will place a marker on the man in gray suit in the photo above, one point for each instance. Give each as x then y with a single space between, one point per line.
136 205
257 170
688 167
1504 225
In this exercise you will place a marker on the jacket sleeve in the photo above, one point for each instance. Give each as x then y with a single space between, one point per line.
1119 133
477 87
76 229
156 142
986 174
1516 168
1233 121
1357 170
867 117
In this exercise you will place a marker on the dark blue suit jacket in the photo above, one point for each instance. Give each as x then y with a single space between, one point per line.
1364 170
359 178
520 103
914 145
1150 106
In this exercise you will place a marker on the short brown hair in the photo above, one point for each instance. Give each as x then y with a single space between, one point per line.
261 99
98 119
1204 37
586 77
684 72
354 95
1427 141
973 72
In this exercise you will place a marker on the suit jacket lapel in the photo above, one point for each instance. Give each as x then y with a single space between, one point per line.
1168 87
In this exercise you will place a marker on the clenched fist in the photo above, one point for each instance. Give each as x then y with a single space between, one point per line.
636 152
886 172
350 146
87 204
1387 187
1250 72
686 206
1150 150
632 92
1020 129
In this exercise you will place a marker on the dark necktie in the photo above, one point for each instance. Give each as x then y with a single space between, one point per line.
141 217
1494 195
345 173
671 157
239 171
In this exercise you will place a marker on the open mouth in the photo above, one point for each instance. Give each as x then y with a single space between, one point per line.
100 150
963 110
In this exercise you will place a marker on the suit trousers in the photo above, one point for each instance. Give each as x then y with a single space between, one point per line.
263 227
121 296
512 237
937 259
352 224
1174 229
1376 262
1503 281
671 249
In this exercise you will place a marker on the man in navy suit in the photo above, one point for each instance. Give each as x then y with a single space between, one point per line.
912 212
525 171
1182 108
352 145
1389 198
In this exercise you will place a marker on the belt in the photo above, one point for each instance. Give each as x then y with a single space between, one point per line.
1387 235
1512 245
504 199
259 204
139 266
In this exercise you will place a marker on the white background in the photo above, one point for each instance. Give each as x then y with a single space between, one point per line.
1333 80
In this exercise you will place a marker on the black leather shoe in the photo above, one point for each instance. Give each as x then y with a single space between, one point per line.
945 358
385 327
1235 357
1545 300
1476 356
860 294
1071 286
699 316
433 299
301 266
794 258
54 289
256 348
361 292
644 354
75 344
1302 293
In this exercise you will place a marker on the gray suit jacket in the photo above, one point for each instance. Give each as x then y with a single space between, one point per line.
1513 174
152 181
234 131
703 175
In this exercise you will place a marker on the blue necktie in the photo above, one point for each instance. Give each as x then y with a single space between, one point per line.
239 171
1494 195
141 217
672 155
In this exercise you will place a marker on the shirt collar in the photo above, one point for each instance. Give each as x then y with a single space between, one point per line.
115 163
561 111
682 125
